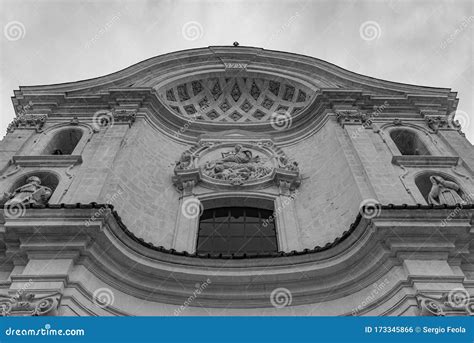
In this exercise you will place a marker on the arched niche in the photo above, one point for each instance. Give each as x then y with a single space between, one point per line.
63 142
440 189
48 179
409 142
69 139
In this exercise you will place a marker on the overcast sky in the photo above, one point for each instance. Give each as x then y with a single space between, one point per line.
427 43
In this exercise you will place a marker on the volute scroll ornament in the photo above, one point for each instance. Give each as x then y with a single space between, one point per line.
454 303
28 304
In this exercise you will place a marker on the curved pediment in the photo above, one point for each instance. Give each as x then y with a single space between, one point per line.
227 87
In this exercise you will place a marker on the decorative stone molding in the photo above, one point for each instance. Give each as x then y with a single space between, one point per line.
28 121
28 304
124 116
351 117
446 305
47 160
238 98
238 163
185 180
437 122
425 161
74 121
287 180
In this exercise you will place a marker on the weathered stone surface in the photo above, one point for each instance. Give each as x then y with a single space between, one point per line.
330 170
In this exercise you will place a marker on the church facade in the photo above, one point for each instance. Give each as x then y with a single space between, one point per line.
236 181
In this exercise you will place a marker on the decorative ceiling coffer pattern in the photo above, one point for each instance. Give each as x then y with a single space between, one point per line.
235 99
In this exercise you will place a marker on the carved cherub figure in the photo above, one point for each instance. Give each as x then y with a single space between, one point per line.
185 161
285 163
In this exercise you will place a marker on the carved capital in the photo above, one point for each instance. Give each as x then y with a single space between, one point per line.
397 122
28 121
455 303
74 121
125 116
28 304
436 122
185 180
351 117
287 180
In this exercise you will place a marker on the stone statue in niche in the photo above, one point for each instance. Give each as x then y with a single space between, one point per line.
185 161
237 166
444 192
30 193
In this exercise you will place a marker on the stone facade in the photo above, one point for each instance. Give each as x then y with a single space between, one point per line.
133 158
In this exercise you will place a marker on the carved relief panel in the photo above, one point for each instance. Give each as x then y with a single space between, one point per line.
235 164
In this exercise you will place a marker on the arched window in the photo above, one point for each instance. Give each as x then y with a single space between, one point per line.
440 189
63 142
408 142
237 230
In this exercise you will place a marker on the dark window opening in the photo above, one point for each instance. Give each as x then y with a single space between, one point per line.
237 230
63 143
408 143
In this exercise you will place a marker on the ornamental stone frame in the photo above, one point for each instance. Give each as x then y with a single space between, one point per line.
239 167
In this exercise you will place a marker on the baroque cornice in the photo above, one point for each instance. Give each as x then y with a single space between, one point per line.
154 264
